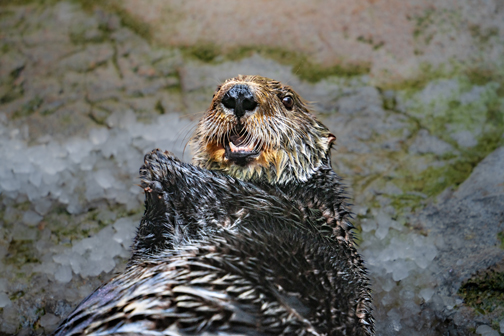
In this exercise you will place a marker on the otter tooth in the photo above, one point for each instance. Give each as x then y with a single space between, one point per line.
234 148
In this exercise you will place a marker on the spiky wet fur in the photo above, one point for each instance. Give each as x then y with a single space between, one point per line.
245 254
293 142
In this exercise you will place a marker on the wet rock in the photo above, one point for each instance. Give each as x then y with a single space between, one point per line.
396 46
469 223
486 180
88 59
104 83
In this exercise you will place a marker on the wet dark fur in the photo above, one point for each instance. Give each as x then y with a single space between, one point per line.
217 255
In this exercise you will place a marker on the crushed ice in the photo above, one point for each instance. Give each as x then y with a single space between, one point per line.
102 167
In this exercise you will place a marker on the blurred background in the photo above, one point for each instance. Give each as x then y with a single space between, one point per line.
413 90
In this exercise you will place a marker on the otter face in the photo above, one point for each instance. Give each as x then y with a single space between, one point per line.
256 129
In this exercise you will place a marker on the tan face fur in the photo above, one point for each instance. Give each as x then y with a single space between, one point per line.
287 142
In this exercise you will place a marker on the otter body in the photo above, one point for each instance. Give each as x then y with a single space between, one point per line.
252 239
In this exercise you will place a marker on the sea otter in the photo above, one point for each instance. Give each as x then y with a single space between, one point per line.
253 238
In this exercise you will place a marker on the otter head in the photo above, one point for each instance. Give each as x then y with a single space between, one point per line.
259 129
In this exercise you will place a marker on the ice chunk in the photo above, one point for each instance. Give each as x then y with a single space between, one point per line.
93 189
23 167
97 253
401 269
114 143
105 245
4 300
426 293
381 232
104 178
395 319
90 269
74 207
8 182
36 178
125 231
83 245
98 136
424 255
360 210
47 267
384 223
113 120
56 150
63 274
43 205
49 179
144 145
128 119
31 218
78 149
3 285
449 302
52 166
70 258
49 321
368 225
388 284
485 330
88 162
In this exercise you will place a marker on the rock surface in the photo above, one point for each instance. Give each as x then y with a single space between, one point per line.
85 92
392 37
467 225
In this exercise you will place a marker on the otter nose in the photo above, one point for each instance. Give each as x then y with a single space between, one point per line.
239 99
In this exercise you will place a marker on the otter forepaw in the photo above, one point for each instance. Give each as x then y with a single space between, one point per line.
159 168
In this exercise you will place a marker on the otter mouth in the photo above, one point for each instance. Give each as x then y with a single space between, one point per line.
239 148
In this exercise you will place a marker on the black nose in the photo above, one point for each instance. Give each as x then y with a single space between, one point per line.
239 99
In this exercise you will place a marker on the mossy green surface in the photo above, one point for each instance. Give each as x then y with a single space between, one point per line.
28 108
473 103
483 35
443 104
303 67
485 293
434 180
20 2
127 20
500 237
301 64
205 52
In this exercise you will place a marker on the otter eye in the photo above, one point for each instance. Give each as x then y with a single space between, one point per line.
288 102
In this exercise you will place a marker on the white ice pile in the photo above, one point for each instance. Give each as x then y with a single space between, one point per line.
100 170
79 171
400 264
93 255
